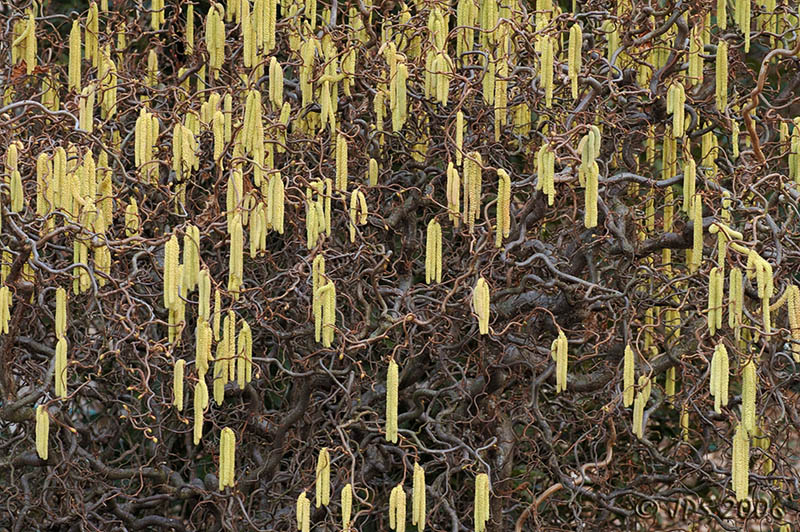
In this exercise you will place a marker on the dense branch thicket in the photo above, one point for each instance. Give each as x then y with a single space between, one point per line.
571 228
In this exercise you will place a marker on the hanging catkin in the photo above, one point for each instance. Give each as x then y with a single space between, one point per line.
227 458
559 353
347 506
244 356
171 280
628 376
793 308
749 388
433 252
481 503
740 462
177 384
303 513
418 498
42 431
323 478
397 509
574 57
472 188
61 368
719 377
480 303
722 73
391 401
503 207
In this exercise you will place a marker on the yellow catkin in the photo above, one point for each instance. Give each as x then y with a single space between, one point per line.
749 388
712 300
275 83
323 478
629 370
373 172
685 422
324 309
472 181
171 280
358 212
459 137
177 384
722 75
244 358
697 233
503 207
303 513
639 403
132 219
433 252
42 431
740 462
203 335
221 364
559 353
189 31
689 180
61 312
719 377
392 383
453 194
480 303
341 162
722 14
61 368
74 69
236 257
574 57
545 165
418 500
5 309
793 308
481 502
397 509
399 105
227 458
347 506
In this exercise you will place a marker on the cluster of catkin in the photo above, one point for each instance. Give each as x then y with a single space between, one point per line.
322 486
323 303
24 44
145 139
